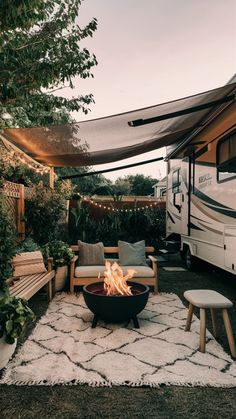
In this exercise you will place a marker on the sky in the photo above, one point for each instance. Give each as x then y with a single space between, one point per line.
154 51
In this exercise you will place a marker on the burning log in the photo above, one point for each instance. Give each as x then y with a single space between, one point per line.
115 281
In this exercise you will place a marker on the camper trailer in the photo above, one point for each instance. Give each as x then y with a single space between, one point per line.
201 191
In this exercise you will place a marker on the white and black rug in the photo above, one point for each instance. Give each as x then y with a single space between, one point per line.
63 348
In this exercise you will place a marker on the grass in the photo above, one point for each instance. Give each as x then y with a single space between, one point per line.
125 402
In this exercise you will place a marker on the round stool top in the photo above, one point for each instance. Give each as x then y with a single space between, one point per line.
207 299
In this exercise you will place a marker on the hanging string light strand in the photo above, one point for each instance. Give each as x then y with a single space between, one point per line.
112 209
37 168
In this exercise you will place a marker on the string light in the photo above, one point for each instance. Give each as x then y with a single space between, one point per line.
110 208
37 168
22 157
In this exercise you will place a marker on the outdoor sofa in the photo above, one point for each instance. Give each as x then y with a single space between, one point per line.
86 274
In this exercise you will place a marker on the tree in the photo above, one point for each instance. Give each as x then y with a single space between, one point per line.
40 55
20 13
142 185
139 185
123 186
96 184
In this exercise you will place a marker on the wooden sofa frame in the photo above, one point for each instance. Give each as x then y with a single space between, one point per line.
26 286
153 281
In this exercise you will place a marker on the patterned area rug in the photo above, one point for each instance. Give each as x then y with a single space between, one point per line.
64 349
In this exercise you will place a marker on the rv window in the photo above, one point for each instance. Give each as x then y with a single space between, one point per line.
176 181
226 158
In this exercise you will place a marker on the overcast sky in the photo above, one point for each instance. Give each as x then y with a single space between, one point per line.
154 51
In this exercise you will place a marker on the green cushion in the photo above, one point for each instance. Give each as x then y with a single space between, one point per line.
132 253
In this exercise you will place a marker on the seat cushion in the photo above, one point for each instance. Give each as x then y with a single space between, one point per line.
91 254
28 263
93 271
132 253
112 260
207 299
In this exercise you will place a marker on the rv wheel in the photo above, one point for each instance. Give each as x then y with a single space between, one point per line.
190 261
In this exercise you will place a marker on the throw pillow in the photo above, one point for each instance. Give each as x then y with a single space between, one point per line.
132 253
28 263
91 254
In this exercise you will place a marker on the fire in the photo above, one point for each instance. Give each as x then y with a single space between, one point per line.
115 281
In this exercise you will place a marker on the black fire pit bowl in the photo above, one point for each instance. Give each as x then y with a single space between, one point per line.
115 309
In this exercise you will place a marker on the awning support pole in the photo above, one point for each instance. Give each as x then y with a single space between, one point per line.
51 177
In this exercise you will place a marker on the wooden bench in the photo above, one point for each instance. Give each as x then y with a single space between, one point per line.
26 286
151 280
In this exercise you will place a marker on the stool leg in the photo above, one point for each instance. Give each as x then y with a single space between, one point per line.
229 332
202 345
189 318
214 322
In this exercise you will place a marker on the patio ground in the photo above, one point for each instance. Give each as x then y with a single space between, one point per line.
126 402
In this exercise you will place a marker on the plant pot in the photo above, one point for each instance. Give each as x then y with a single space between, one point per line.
6 351
61 277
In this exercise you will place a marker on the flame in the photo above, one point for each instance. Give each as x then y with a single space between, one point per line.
115 281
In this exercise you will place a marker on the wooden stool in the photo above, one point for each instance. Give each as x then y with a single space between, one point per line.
209 299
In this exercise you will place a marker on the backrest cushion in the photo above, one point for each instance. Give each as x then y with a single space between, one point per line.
132 253
28 263
91 254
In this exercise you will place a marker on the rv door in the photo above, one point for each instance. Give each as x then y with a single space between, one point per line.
185 194
230 247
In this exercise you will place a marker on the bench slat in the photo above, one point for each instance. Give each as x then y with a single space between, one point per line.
24 282
31 287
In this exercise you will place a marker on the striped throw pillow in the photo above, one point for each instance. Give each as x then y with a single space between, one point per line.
91 254
28 263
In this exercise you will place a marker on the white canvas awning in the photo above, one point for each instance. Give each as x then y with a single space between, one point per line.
118 137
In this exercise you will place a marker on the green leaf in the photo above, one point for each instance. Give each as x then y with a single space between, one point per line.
9 325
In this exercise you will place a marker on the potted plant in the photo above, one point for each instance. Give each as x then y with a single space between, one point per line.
62 255
14 314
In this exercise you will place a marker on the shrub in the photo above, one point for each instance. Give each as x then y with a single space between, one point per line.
28 245
148 225
44 212
60 252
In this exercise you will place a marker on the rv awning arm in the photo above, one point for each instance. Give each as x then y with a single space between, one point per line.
140 122
97 172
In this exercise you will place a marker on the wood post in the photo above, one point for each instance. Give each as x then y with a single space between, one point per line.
49 290
21 212
51 178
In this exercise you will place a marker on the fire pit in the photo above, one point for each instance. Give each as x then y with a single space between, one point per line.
115 299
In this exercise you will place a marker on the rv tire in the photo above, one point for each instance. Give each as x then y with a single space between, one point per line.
190 260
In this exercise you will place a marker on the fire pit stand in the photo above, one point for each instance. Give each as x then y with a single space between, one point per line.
96 317
118 308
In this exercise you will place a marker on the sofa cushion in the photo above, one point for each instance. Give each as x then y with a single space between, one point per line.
132 253
28 263
93 271
91 254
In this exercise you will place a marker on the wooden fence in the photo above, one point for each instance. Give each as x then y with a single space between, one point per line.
15 196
